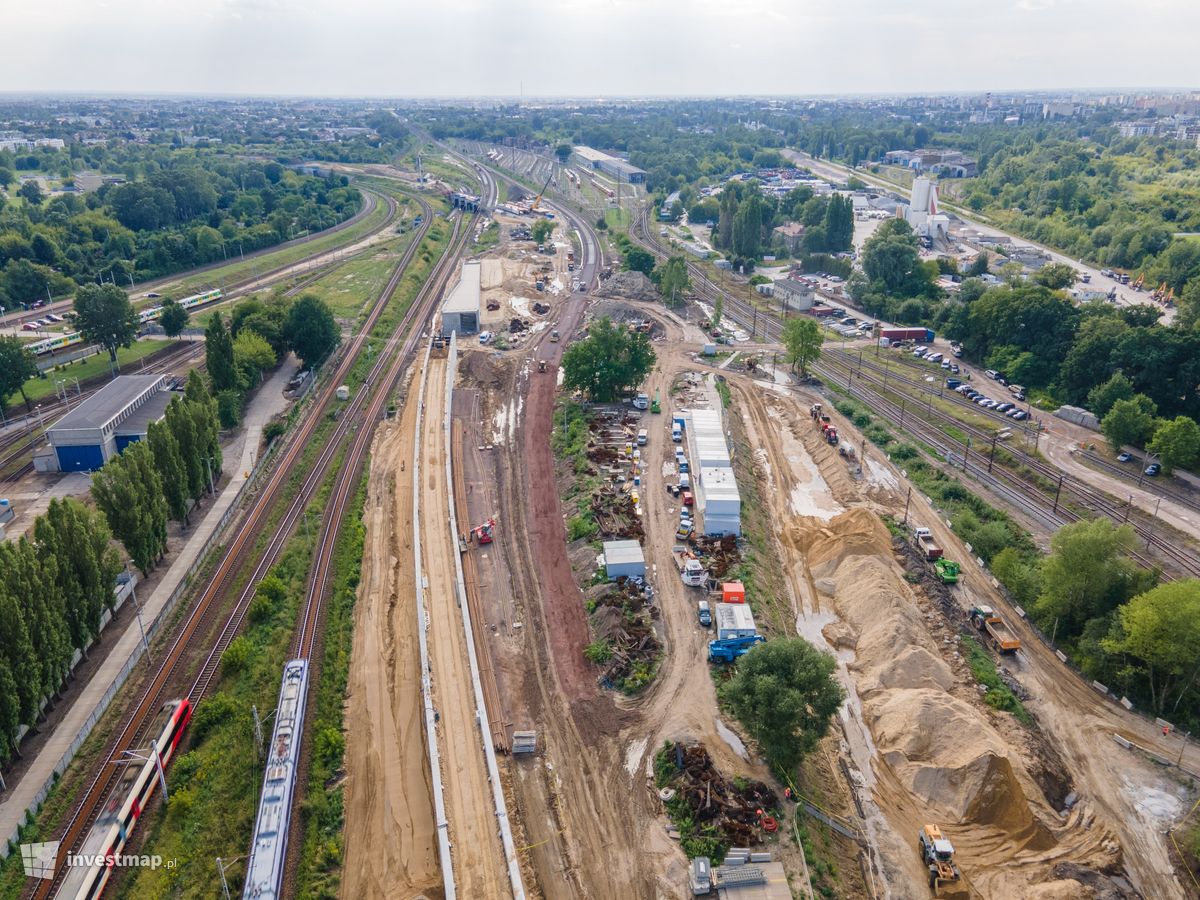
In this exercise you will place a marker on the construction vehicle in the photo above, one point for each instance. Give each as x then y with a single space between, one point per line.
831 435
483 533
655 405
999 635
847 451
554 336
538 199
947 570
728 650
1137 285
937 854
926 543
815 412
541 365
641 402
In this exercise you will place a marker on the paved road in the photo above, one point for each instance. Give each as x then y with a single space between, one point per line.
1126 296
240 456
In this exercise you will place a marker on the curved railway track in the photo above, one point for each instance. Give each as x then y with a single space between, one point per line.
836 367
204 614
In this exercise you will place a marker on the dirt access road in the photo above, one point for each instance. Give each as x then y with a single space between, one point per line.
391 843
479 865
836 563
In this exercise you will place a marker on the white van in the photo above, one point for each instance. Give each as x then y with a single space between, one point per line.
677 433
642 438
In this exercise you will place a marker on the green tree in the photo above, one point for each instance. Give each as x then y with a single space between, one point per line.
639 260
891 257
6 176
192 446
785 694
802 341
1129 421
106 317
979 265
311 330
674 281
206 426
16 648
1177 443
1087 575
196 388
174 318
1101 398
541 230
1161 630
129 491
218 354
85 566
31 193
607 361
718 309
171 470
17 365
252 355
839 224
1055 276
563 152
748 227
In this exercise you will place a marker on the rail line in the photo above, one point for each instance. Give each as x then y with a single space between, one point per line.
371 200
1072 491
236 554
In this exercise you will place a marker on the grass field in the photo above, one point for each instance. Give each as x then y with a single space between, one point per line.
92 367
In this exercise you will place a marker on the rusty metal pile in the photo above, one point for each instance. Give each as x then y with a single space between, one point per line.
737 807
623 619
719 555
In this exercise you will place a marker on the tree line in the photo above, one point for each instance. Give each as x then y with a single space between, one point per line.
185 211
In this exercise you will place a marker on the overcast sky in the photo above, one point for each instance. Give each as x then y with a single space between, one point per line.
595 47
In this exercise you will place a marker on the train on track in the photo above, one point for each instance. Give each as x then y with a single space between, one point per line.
70 339
108 836
268 853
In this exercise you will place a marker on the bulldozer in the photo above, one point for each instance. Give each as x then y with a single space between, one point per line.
938 854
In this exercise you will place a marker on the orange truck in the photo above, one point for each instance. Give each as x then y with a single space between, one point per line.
1000 636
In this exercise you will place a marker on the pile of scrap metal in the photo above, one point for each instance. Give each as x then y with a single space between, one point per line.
720 555
623 619
737 807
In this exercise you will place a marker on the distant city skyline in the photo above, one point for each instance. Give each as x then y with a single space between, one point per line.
596 48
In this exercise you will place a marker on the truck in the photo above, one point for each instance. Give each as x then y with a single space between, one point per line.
920 335
704 614
947 570
926 543
691 570
937 854
999 635
641 401
655 404
727 651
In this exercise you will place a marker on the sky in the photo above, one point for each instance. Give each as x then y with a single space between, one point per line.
596 48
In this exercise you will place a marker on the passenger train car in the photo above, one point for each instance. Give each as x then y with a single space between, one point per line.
124 806
264 869
61 341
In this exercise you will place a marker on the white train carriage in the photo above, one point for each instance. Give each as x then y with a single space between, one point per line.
268 853
124 805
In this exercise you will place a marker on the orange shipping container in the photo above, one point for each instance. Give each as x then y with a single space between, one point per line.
733 592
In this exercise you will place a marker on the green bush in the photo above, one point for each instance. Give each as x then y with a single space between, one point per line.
998 695
582 526
236 655
229 408
598 652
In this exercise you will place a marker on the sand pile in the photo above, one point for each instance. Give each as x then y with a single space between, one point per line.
943 752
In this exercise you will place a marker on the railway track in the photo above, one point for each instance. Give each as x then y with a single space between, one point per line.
837 367
17 443
372 199
204 615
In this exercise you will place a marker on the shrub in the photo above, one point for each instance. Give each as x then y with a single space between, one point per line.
598 652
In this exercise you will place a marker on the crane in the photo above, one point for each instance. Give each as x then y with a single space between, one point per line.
538 199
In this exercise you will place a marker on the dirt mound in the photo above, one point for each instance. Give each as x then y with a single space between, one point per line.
857 532
630 285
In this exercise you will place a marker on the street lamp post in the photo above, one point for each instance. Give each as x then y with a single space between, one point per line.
137 611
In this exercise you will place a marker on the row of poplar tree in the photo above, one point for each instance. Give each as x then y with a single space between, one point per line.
56 583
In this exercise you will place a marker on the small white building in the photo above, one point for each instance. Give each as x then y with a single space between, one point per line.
735 620
624 558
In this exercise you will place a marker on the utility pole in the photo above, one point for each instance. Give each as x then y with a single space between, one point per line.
993 453
1150 530
966 452
1057 492
907 500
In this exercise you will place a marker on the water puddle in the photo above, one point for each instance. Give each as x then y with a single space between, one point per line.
633 755
734 742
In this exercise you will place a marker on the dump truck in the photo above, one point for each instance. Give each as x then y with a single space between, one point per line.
937 854
999 635
947 570
927 544
728 650
655 405
691 570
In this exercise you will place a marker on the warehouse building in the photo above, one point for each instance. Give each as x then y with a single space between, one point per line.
107 422
460 311
716 491
612 166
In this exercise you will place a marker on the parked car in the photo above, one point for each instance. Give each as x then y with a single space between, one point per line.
991 373
1019 414
1152 469
704 614
1003 407
1124 456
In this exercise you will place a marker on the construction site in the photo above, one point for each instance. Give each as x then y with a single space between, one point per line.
532 711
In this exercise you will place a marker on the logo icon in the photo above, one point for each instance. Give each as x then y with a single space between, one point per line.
39 859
